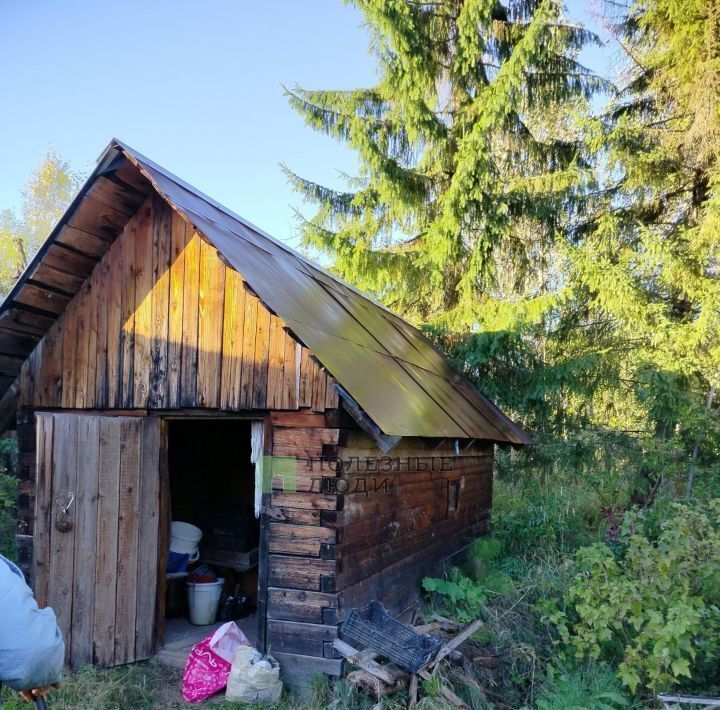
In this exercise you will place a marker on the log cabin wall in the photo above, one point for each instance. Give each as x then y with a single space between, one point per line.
393 536
300 525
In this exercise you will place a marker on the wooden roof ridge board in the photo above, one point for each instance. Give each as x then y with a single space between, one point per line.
395 374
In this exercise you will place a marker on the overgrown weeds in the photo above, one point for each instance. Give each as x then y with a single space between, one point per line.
8 497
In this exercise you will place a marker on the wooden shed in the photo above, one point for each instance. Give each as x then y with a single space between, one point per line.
161 358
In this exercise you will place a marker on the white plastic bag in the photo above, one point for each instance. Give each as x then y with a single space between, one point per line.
228 640
254 678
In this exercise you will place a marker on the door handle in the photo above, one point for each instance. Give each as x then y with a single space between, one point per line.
63 522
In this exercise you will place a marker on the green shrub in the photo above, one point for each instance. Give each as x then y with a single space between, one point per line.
464 597
8 497
652 601
479 557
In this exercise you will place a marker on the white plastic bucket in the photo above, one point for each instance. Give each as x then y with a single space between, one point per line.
203 601
185 539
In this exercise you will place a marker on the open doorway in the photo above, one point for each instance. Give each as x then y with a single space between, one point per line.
212 486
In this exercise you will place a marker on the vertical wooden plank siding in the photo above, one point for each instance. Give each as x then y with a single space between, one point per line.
134 238
232 340
141 320
162 244
291 374
319 385
276 356
191 287
94 299
260 367
81 348
163 545
106 568
62 544
114 321
43 507
101 575
68 361
175 310
102 299
331 394
248 351
306 379
210 326
30 376
46 391
147 559
86 517
162 323
128 538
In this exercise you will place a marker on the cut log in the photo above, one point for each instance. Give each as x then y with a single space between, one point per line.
447 624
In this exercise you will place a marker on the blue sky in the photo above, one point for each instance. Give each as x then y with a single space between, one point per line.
194 86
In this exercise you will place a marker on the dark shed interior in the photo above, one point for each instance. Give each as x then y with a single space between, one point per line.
211 475
212 486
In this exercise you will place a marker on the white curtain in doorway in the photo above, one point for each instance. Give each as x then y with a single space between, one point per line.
256 457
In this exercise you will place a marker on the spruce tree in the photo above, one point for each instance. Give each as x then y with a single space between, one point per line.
569 264
647 251
466 155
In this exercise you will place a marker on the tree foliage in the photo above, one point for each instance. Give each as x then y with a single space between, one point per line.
45 197
459 149
567 262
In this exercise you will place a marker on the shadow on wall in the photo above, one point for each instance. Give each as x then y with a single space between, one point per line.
163 323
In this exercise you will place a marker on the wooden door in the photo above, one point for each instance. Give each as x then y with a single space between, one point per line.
100 576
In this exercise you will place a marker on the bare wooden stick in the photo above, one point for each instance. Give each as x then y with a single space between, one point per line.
412 692
451 645
446 692
367 664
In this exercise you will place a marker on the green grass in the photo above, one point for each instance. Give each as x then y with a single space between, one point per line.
151 686
588 687
139 686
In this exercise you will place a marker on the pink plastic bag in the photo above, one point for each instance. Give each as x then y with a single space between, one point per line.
208 664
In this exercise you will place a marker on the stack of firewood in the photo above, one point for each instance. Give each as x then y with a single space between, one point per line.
380 679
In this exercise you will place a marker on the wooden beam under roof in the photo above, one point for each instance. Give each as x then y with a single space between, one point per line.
8 405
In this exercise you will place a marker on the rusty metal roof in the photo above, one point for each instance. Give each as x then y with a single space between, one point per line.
401 381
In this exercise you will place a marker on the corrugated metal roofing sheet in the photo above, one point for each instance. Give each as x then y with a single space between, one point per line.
393 371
